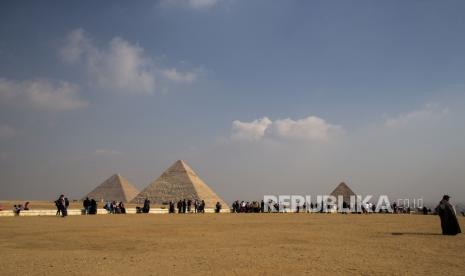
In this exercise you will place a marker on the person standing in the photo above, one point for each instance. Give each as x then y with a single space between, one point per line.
189 204
425 210
217 207
449 222
57 204
17 209
184 206
171 209
86 205
93 207
62 205
146 208
202 207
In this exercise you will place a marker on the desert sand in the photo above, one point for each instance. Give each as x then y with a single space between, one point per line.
216 244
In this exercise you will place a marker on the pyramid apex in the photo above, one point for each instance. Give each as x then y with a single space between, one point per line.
181 163
116 187
177 182
343 190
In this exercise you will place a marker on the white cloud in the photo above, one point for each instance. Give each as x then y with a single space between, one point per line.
174 75
41 94
428 114
106 152
6 132
311 129
77 43
252 131
121 66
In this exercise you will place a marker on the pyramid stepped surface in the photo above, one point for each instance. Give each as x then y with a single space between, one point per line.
344 190
115 188
179 182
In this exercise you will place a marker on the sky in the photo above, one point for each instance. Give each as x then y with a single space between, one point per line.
259 97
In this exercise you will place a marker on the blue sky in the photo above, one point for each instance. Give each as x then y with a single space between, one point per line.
261 97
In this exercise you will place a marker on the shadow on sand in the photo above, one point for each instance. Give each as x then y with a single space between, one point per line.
415 234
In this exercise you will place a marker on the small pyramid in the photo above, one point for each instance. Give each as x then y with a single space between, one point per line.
176 183
116 188
343 190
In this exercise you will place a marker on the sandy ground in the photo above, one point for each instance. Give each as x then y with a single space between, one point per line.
216 244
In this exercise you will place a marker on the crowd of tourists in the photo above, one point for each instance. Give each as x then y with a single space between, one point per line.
114 207
445 210
190 206
275 207
248 207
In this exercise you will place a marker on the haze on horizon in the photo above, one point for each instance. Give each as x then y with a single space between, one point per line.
259 97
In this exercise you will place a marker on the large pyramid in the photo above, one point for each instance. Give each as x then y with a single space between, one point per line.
343 190
179 182
115 188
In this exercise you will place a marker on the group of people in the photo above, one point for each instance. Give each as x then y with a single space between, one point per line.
62 204
248 207
146 207
445 210
188 206
90 206
18 208
114 207
269 207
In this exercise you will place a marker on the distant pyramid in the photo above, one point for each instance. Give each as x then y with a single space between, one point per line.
179 182
343 190
115 188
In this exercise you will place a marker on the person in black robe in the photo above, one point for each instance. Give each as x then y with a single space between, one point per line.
171 210
62 202
146 208
425 210
122 209
184 206
217 207
86 205
57 204
202 207
179 207
449 222
189 204
93 207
